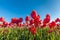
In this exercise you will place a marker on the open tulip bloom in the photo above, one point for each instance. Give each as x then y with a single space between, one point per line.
32 29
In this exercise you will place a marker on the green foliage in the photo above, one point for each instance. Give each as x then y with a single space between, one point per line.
25 34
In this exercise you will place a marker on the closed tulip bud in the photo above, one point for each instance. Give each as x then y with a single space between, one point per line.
2 19
33 14
27 18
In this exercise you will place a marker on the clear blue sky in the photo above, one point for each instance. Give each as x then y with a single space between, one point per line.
22 8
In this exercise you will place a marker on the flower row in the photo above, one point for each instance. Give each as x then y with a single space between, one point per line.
31 22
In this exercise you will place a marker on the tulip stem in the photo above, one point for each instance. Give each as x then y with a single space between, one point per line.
28 34
34 37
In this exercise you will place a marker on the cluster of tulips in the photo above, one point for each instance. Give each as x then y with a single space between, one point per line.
32 29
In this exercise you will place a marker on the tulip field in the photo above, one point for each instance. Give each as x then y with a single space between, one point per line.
33 28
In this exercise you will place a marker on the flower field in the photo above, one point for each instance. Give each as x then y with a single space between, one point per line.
32 29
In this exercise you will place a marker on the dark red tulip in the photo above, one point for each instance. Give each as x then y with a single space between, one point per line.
57 20
27 18
20 19
33 14
33 29
5 24
52 24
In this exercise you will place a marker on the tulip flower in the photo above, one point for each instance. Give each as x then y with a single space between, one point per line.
5 24
33 14
32 30
43 25
57 20
27 18
20 24
47 16
37 19
52 24
14 20
31 21
47 19
2 19
20 19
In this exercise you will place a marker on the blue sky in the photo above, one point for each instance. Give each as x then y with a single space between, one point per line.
22 8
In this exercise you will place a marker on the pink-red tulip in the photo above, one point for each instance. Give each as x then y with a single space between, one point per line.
2 19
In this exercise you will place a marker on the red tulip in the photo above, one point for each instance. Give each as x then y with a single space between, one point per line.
32 30
27 18
31 21
2 19
20 24
37 21
37 24
33 14
10 24
14 20
42 26
46 20
47 16
5 24
20 19
57 20
52 24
